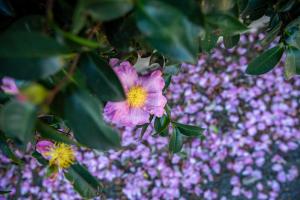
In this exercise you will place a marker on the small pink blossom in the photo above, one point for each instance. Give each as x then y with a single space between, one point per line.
144 96
9 86
44 146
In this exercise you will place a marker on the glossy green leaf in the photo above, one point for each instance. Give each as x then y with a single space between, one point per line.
176 141
161 125
265 62
286 5
227 25
105 10
255 9
6 9
79 18
190 8
271 35
209 41
25 55
83 182
189 130
292 33
167 79
231 41
101 78
84 115
30 23
292 63
48 132
4 147
169 32
122 32
40 158
17 120
80 40
51 170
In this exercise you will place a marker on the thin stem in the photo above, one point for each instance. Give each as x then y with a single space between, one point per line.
71 71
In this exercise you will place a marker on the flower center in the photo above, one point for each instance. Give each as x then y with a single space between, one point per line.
136 96
61 155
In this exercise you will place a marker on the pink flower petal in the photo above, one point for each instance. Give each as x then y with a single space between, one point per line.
116 111
127 74
136 117
44 146
113 62
9 85
155 104
154 82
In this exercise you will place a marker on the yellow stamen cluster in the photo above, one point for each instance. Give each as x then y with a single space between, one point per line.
61 155
136 96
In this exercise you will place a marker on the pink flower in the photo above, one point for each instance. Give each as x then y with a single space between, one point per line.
9 86
144 97
44 146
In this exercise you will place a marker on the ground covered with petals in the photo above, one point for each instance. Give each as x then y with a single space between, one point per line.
251 150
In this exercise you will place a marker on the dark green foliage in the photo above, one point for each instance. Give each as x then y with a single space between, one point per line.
176 141
101 78
189 130
65 46
160 27
266 61
17 120
83 113
83 182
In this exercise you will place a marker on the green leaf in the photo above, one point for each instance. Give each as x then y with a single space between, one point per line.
50 133
292 34
101 78
7 151
30 23
292 63
255 9
4 191
265 62
231 41
79 19
209 6
169 32
122 33
286 6
271 35
172 69
190 8
51 170
105 10
83 182
209 41
40 158
176 142
84 115
6 9
17 120
167 79
161 125
79 40
189 130
25 55
227 25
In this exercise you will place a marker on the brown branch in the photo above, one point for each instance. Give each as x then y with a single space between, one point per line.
64 81
71 71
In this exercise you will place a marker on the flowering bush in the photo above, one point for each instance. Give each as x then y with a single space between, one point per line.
59 94
251 150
